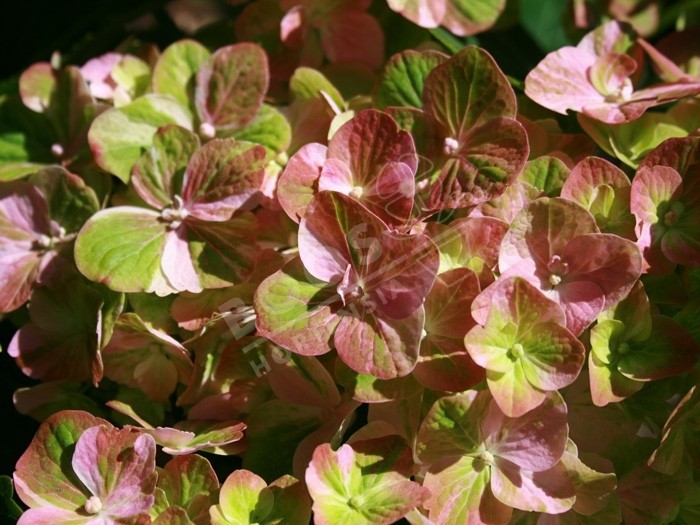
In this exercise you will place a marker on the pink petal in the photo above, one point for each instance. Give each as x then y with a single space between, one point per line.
542 230
176 262
612 263
117 466
53 516
606 38
425 13
390 195
450 297
650 188
610 74
368 142
336 176
299 182
223 176
535 441
401 276
293 27
382 347
550 491
567 69
444 365
581 301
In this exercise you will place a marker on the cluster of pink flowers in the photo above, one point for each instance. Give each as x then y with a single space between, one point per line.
418 299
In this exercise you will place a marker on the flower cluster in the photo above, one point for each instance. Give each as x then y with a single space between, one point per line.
393 289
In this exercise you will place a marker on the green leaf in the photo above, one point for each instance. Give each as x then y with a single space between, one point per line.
45 399
542 20
466 17
231 86
71 319
547 174
458 490
403 78
363 483
174 73
133 76
368 389
157 175
122 249
247 500
9 510
307 83
269 128
467 91
119 136
25 139
36 86
630 142
669 350
451 427
71 110
274 431
71 202
190 483
295 310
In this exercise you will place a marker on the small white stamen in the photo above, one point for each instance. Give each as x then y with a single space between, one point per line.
57 150
44 241
356 192
517 351
487 457
450 146
93 505
207 130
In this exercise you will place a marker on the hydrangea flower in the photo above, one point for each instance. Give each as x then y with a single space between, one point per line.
80 469
596 78
556 245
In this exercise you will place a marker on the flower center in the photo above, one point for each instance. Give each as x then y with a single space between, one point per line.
483 460
487 457
57 150
47 242
450 146
93 505
517 351
623 348
557 267
671 217
207 130
356 192
356 502
175 214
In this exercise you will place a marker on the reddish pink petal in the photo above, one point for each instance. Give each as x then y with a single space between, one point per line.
550 491
384 348
650 188
581 301
400 277
535 441
368 142
612 263
542 230
353 37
